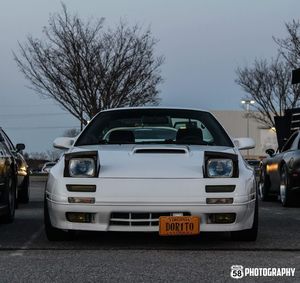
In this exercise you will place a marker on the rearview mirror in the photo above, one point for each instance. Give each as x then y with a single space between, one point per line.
270 151
244 143
20 147
63 143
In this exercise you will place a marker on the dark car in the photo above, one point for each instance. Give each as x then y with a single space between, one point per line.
23 180
255 164
280 173
8 181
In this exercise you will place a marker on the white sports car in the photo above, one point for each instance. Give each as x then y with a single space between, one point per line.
166 170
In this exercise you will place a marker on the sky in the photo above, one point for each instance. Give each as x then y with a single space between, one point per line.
203 41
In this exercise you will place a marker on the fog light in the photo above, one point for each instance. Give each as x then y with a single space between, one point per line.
81 200
222 218
80 217
219 200
81 188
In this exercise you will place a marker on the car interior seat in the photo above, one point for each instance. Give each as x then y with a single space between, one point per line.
189 136
121 136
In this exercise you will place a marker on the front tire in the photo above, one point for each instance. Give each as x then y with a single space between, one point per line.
264 187
52 233
24 193
10 201
248 234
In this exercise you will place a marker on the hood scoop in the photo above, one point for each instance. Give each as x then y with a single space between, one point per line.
160 150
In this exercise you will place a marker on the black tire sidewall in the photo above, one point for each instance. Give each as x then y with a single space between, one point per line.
287 200
24 193
265 183
10 192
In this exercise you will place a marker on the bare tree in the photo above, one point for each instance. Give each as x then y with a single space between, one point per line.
71 133
268 83
54 154
38 155
289 47
86 68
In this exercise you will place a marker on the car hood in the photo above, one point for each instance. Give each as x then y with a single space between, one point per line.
151 161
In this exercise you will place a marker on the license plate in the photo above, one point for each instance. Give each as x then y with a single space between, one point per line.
179 225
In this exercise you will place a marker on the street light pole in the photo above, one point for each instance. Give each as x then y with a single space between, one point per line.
247 109
247 102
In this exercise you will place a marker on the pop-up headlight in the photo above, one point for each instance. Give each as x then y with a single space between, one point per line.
82 167
220 165
81 164
219 168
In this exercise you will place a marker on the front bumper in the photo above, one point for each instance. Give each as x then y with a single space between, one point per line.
150 196
102 216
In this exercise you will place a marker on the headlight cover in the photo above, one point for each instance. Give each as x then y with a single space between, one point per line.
82 167
219 168
220 165
81 164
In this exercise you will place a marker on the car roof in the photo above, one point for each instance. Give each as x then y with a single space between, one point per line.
154 107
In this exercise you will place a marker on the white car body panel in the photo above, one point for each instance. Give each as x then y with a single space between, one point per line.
134 182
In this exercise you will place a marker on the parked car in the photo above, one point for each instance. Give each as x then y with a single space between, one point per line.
47 166
23 174
8 181
166 170
280 173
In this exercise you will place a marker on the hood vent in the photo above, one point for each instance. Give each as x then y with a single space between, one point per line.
161 150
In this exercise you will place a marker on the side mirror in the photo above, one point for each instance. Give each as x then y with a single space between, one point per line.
63 143
244 143
270 152
20 147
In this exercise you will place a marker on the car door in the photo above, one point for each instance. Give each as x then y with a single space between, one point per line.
16 155
2 166
6 163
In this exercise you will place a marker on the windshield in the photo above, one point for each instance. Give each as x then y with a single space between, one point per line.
154 126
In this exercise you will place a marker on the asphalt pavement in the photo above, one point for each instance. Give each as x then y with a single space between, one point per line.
27 256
